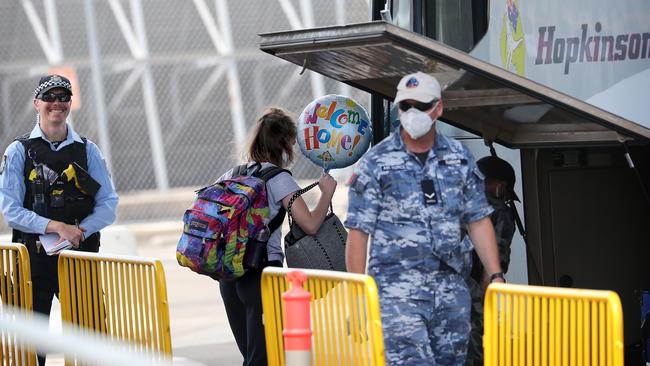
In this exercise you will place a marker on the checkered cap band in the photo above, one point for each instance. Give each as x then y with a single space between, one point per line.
51 82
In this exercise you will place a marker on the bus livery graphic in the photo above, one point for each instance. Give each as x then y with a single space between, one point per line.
513 48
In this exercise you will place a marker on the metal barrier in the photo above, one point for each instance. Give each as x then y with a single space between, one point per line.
16 292
534 325
345 317
123 297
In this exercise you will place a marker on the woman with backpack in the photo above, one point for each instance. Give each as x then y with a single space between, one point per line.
270 144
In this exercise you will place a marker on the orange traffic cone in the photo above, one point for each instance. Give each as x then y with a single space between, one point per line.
297 328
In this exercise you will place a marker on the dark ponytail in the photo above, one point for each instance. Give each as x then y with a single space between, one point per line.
273 134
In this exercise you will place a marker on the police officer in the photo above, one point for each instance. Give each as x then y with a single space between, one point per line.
54 181
413 192
499 189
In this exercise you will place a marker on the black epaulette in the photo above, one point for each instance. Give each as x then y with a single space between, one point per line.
22 137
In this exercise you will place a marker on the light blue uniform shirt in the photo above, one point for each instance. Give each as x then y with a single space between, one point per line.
12 187
410 237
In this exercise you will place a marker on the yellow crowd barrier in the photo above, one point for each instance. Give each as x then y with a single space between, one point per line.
534 325
16 291
345 317
121 296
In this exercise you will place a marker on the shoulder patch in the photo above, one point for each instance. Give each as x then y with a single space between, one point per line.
358 182
352 179
3 163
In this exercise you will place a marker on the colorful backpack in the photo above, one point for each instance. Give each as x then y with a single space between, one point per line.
226 229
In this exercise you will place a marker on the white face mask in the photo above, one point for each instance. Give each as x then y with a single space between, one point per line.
415 122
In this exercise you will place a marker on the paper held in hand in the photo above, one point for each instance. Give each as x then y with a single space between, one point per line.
48 241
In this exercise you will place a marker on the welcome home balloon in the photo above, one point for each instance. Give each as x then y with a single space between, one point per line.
334 131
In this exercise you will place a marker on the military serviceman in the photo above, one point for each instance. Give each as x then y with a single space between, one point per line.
54 181
500 192
413 193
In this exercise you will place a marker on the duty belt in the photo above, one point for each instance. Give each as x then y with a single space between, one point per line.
33 244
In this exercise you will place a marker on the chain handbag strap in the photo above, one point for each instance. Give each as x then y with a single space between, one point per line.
298 194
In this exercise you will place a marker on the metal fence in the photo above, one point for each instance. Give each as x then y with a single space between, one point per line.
121 296
167 88
541 325
344 313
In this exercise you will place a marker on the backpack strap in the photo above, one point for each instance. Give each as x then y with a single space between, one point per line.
266 174
277 220
239 170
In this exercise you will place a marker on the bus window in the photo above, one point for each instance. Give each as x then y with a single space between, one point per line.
460 24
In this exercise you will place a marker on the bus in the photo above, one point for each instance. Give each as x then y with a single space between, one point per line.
559 87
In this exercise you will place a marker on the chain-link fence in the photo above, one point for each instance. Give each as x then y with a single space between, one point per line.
178 77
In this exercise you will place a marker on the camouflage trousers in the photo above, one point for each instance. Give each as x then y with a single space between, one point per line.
431 331
475 346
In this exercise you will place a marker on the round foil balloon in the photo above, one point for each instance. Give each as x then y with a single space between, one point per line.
334 131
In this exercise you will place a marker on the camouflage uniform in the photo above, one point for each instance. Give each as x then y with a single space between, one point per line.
503 220
416 255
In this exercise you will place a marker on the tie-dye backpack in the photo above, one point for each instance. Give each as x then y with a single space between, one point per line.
226 229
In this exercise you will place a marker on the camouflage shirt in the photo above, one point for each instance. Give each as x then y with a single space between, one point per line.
411 238
503 220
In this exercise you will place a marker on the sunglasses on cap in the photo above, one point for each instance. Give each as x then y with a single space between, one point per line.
405 106
51 97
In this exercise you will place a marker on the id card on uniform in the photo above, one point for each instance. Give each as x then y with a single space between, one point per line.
429 190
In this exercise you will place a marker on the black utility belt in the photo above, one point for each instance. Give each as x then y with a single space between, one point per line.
34 247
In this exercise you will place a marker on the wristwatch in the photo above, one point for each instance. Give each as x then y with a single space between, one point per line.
496 275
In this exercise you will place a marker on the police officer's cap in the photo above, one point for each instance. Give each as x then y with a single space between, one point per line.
50 82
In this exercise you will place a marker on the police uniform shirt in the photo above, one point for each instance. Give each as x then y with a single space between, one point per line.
412 235
12 187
